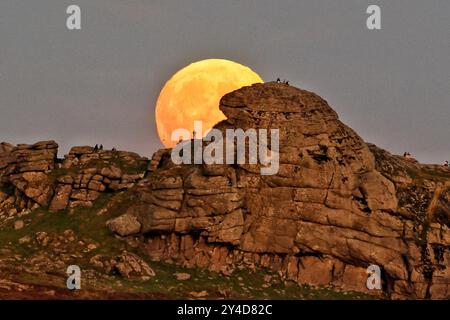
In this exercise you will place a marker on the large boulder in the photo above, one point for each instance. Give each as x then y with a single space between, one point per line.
34 185
124 225
326 215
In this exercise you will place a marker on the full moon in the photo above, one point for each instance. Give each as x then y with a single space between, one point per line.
194 92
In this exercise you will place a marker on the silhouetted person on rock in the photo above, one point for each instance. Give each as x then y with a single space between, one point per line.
96 147
407 156
101 147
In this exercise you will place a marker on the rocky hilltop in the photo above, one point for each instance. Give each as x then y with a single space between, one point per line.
336 206
38 178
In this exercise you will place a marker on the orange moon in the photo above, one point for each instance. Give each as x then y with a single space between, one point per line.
194 92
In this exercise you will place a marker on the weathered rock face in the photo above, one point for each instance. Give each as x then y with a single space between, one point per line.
91 172
82 187
336 205
6 158
423 192
325 216
25 167
36 178
39 157
83 156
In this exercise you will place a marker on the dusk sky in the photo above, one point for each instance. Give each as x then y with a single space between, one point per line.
100 84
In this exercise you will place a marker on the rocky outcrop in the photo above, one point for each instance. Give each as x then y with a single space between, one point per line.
36 178
26 168
124 225
86 156
130 265
158 158
38 157
89 172
423 192
329 212
335 206
82 187
6 158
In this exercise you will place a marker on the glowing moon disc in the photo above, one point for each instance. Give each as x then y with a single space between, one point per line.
194 92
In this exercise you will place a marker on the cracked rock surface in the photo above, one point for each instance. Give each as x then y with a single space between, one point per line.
336 205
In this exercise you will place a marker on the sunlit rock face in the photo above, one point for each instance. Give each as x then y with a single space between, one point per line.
335 206
26 167
33 176
324 217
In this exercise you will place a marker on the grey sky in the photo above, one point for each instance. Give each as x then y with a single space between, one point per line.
99 85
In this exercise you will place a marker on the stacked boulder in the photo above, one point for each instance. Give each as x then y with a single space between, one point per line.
26 168
8 208
6 158
39 157
158 158
92 172
322 219
83 187
87 155
34 177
